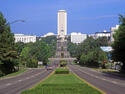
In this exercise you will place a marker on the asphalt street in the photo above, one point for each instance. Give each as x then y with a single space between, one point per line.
109 83
24 81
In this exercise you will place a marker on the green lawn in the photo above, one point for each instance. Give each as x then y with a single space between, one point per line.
14 74
110 70
62 84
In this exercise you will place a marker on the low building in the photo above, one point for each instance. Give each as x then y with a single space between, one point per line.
113 31
49 34
103 34
78 37
92 35
24 38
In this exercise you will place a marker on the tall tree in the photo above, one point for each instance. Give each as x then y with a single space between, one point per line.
8 53
51 42
103 41
72 48
19 47
119 42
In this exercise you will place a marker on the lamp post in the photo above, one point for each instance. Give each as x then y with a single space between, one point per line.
7 24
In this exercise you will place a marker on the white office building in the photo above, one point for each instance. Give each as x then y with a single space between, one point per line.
24 38
103 34
62 23
78 37
92 35
113 31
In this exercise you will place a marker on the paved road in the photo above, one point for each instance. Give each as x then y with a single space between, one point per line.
111 84
19 83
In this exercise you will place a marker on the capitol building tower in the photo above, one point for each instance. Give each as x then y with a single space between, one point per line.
62 23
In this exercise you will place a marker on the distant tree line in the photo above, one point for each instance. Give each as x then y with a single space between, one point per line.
89 53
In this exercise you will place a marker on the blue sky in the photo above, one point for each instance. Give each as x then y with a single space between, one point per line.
86 16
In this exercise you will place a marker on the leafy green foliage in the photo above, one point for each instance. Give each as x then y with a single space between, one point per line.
119 43
103 41
62 71
63 63
34 52
88 53
51 42
19 47
72 48
32 63
8 53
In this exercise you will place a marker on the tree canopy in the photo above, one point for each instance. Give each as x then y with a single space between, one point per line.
8 53
119 42
88 52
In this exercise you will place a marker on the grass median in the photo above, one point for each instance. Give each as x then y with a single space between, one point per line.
62 84
105 70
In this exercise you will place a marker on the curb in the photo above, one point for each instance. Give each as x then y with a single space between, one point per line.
14 76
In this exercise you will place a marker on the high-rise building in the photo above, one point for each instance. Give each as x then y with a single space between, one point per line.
62 23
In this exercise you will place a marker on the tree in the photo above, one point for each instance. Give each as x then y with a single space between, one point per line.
119 43
8 53
32 52
25 55
19 47
72 48
89 53
41 51
32 62
51 42
103 41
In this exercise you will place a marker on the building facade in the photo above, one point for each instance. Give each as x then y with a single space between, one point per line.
92 35
103 34
113 31
78 37
24 38
62 23
49 34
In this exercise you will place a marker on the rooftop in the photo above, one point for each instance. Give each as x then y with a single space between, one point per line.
61 10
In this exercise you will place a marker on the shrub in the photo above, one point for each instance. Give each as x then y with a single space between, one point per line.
63 63
1 73
62 71
32 63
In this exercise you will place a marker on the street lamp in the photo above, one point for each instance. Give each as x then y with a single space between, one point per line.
15 22
7 24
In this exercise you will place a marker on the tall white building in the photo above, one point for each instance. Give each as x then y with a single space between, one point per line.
62 23
24 38
113 31
78 37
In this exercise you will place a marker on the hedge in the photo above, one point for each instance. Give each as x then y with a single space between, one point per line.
62 71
